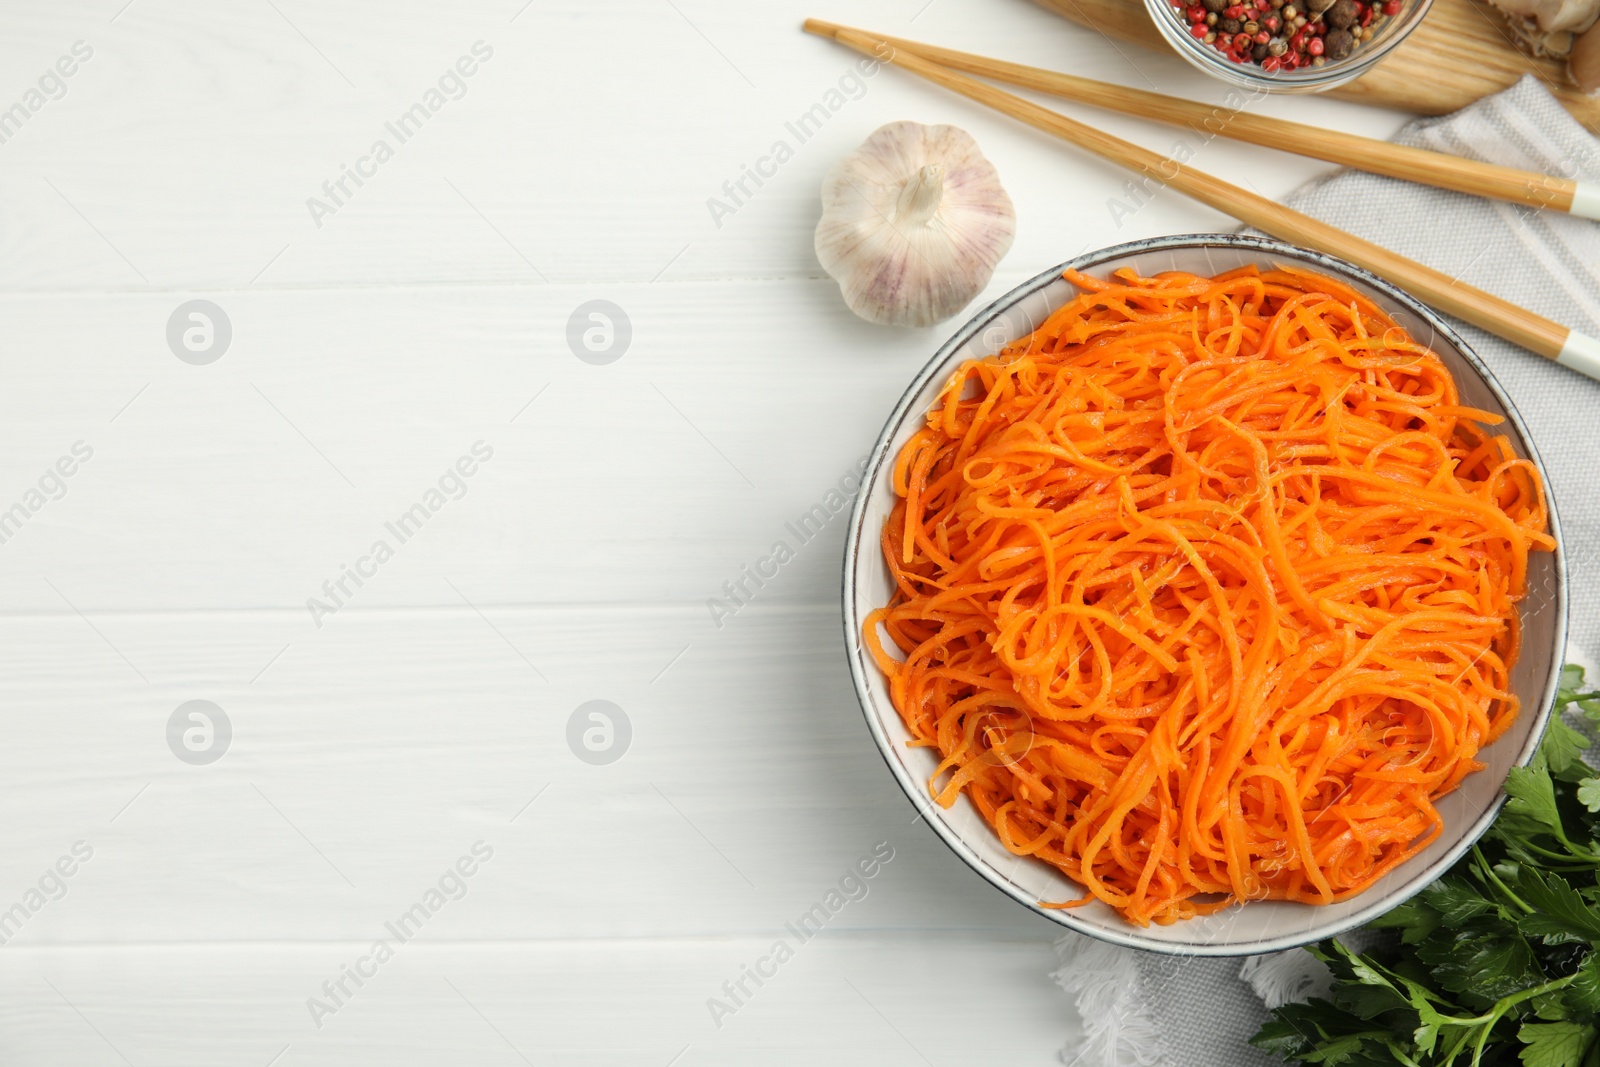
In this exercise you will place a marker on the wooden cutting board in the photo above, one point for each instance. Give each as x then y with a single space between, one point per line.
1461 52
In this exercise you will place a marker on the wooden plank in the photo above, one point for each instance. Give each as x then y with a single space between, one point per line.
511 182
904 1000
252 481
1461 53
369 758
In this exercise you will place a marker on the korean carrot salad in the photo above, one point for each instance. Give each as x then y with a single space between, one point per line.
1207 590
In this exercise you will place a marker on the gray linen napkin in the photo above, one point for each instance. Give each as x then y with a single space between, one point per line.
1160 1011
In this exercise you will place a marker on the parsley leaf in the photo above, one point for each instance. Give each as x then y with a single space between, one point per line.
1555 1044
1484 960
1561 745
1415 919
1582 997
1532 807
1456 902
1560 912
1570 692
1318 1032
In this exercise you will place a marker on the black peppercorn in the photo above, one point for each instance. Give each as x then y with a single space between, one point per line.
1338 44
1342 15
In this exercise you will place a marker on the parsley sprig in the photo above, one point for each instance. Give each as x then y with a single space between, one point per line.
1497 962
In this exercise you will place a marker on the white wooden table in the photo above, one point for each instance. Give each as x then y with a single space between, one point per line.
375 341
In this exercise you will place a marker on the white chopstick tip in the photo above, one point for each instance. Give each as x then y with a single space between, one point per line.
1582 354
1585 200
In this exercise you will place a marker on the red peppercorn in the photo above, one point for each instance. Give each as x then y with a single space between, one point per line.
1270 64
1235 12
1199 31
1314 46
1262 38
1272 23
1392 8
1196 13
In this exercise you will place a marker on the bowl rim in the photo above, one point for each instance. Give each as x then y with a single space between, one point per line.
915 791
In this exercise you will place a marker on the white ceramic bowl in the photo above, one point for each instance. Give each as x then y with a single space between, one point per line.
1259 926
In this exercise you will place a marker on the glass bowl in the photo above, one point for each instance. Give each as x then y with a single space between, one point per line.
1390 32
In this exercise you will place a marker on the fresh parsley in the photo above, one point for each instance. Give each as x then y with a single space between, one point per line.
1496 963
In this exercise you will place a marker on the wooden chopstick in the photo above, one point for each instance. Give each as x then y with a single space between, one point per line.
1363 153
1485 310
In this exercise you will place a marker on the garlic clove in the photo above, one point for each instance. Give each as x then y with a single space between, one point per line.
913 224
920 197
1551 27
1585 60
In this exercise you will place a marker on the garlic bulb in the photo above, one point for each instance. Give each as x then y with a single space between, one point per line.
913 223
1565 29
1548 27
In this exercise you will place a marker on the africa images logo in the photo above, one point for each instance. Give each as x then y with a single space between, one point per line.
451 885
853 887
451 85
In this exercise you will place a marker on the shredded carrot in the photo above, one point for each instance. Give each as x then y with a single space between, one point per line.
1206 590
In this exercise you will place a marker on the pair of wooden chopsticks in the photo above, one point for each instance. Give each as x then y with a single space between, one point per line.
1518 325
1363 153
